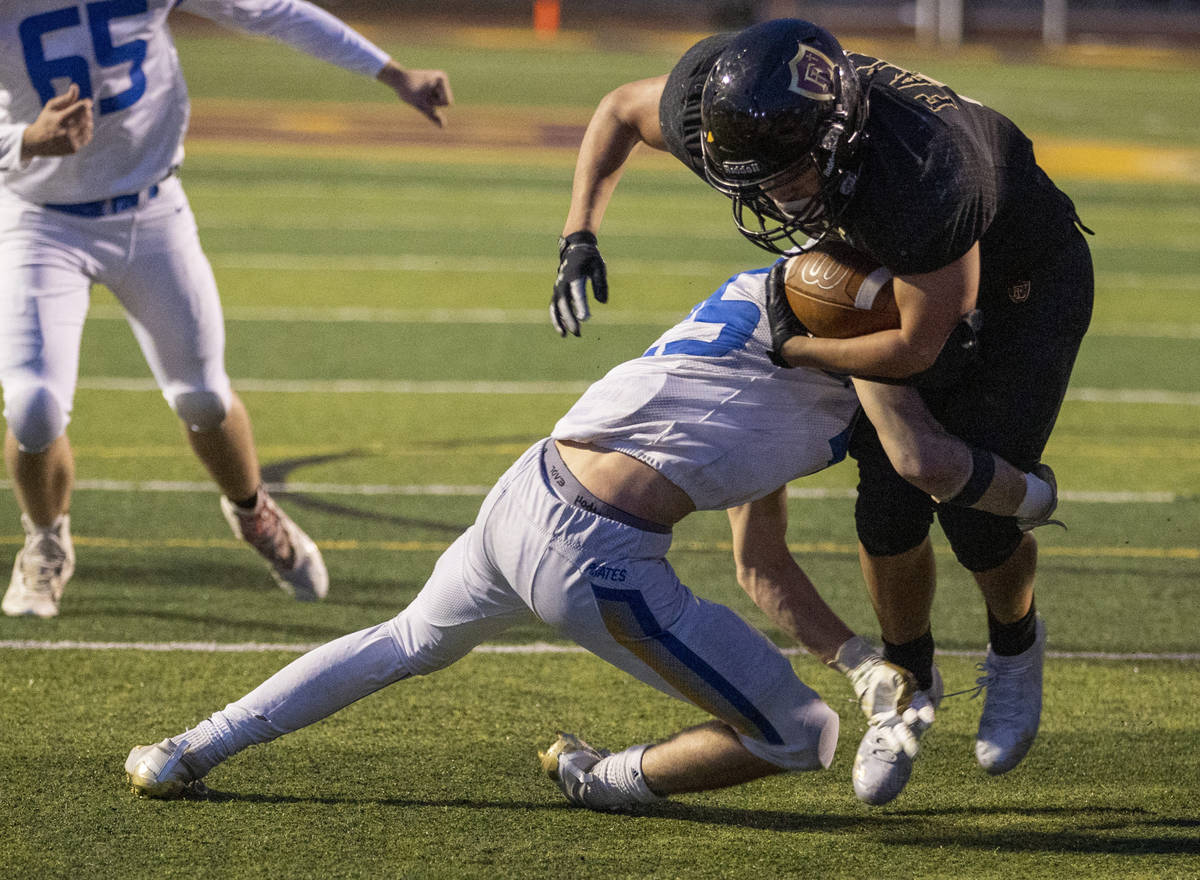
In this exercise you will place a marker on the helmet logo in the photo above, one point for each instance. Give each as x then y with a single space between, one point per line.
742 169
812 74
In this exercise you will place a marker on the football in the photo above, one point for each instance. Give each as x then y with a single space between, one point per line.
837 292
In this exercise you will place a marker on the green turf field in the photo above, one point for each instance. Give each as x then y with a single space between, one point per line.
386 303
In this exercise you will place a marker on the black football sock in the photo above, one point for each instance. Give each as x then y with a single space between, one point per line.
248 503
1010 639
915 656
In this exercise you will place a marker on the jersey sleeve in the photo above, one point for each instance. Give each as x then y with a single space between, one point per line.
298 24
679 107
11 135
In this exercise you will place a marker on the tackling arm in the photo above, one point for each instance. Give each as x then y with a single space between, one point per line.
771 577
768 573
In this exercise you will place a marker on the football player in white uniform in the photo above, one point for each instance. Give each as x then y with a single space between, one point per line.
93 110
576 533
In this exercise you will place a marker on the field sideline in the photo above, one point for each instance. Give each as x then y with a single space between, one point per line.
385 287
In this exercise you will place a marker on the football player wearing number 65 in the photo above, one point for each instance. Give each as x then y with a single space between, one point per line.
576 533
93 110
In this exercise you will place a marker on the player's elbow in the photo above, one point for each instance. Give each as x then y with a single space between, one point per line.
924 466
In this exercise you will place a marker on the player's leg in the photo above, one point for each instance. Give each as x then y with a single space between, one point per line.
43 303
607 586
1028 349
460 606
893 518
170 295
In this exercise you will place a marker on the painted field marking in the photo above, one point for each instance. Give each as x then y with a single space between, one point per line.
443 490
525 649
1187 554
403 386
537 317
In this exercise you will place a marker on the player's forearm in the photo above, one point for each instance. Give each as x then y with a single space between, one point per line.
606 146
887 354
789 599
299 24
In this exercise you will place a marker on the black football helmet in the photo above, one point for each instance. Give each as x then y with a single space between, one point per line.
781 99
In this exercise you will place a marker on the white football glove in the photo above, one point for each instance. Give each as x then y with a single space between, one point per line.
883 689
886 693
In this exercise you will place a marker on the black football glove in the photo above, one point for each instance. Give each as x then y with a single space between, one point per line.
579 261
783 321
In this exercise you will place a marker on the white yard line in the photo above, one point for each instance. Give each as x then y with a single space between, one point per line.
531 648
536 386
537 317
446 490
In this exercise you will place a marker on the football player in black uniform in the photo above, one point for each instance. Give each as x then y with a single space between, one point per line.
993 281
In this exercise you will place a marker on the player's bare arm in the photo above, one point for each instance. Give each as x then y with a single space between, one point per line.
769 574
62 128
625 117
931 306
427 91
931 458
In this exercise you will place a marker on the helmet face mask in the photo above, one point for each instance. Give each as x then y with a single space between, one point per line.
781 100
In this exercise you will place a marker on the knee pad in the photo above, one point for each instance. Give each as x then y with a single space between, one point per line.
200 410
35 416
980 541
891 514
808 746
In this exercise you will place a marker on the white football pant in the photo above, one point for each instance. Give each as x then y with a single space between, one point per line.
598 582
149 257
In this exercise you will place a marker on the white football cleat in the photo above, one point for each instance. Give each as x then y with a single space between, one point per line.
881 765
568 762
1012 709
41 570
158 771
296 563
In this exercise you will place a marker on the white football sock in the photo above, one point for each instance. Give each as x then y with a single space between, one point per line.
617 781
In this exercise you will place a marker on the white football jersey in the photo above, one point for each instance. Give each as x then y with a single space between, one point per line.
706 407
120 53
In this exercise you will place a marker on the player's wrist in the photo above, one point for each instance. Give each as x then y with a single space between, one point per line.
852 654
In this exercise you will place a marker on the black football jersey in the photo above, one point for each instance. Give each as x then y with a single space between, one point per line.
679 107
938 172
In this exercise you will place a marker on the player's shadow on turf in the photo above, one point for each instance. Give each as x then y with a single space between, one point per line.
894 828
278 472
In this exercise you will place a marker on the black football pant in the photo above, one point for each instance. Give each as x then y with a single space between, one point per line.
1034 320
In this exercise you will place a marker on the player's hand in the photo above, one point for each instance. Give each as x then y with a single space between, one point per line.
428 91
579 262
783 321
62 128
905 730
884 690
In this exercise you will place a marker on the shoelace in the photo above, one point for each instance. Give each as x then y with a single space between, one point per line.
265 532
985 680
